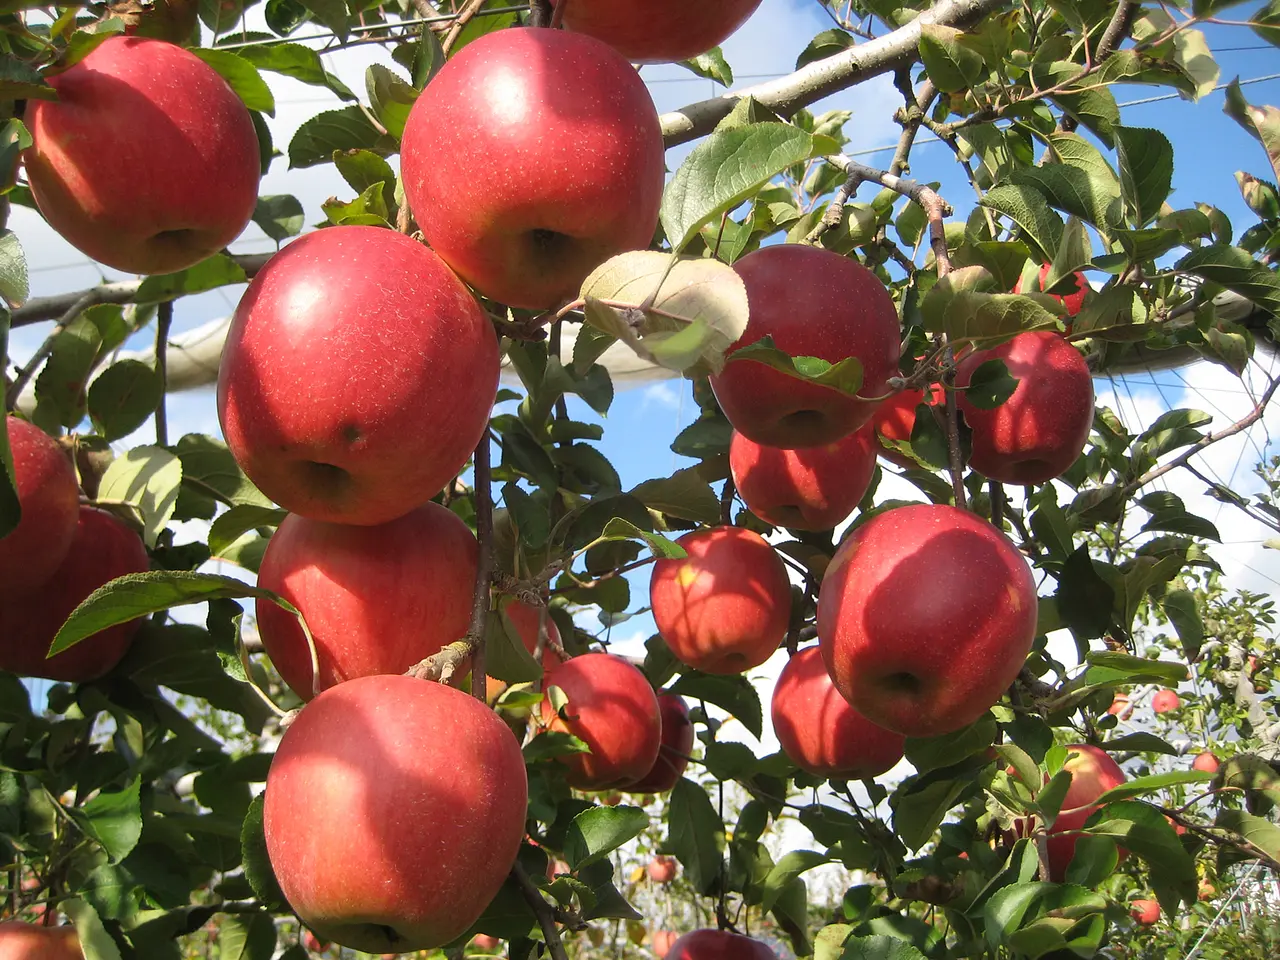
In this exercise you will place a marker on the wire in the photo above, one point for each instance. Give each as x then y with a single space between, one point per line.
370 28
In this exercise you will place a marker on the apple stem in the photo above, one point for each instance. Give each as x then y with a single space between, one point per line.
995 491
726 501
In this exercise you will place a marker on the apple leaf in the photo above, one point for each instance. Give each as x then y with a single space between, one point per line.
253 854
1026 206
695 834
14 286
880 947
247 937
733 694
844 377
1143 831
1146 172
362 169
114 820
990 385
280 216
597 832
20 81
1085 599
1157 781
207 464
347 129
94 939
620 529
506 656
77 349
148 478
1251 773
242 76
684 494
239 520
390 97
712 65
14 138
332 14
368 209
826 44
299 62
932 753
1260 832
705 437
951 66
553 743
785 870
1236 270
1095 859
123 396
217 271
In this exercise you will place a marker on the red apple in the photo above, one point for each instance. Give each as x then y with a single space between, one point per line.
102 550
1206 891
1040 430
524 617
1073 300
925 616
813 303
482 941
147 161
677 745
614 711
1093 773
1206 762
50 501
313 943
1165 701
376 599
1120 706
1146 912
523 100
820 732
662 869
658 31
725 607
718 945
895 418
358 376
662 941
813 488
27 941
394 811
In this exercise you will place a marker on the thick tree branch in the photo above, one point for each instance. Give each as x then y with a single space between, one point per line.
845 69
1116 30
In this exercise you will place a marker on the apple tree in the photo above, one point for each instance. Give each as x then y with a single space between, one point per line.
1021 708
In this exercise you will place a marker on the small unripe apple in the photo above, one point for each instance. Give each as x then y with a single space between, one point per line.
50 502
1146 912
677 745
1165 701
662 869
1206 762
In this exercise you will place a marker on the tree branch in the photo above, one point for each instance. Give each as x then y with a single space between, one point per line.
164 321
84 300
1116 30
464 17
544 911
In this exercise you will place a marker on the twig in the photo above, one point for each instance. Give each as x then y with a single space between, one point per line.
540 13
84 301
164 321
464 17
995 492
544 911
911 126
726 501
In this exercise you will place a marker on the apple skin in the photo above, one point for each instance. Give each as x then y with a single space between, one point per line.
1165 701
662 941
50 501
718 945
524 617
332 315
147 162
813 303
662 869
895 418
725 607
563 104
820 732
102 550
362 813
925 616
29 941
482 941
676 746
1206 762
658 31
1146 912
376 599
1074 301
813 488
1120 706
1040 430
614 711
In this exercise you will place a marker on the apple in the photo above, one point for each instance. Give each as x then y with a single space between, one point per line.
718 945
926 614
661 942
658 31
1120 706
813 303
103 549
394 810
673 754
313 943
662 869
895 418
1206 890
524 617
820 732
518 101
1165 701
28 941
1040 430
1073 301
612 709
1146 912
357 377
725 607
147 161
813 488
50 500
376 599
1206 762
482 941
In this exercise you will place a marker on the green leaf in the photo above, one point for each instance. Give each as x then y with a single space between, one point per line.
1090 103
1251 773
123 397
332 14
14 138
826 44
1143 831
297 61
951 66
60 387
246 937
711 65
242 76
733 694
14 286
990 385
1260 832
506 656
1180 607
727 168
597 832
785 870
1085 599
1144 742
280 216
845 376
148 478
553 743
1146 172
684 494
253 854
704 438
879 948
390 97
239 520
1150 784
94 939
920 805
363 169
21 81
1266 23
1026 206
620 529
347 129
368 209
217 271
695 834
1236 270
1111 668
932 753
114 820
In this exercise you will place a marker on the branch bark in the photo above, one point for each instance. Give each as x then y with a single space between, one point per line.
545 913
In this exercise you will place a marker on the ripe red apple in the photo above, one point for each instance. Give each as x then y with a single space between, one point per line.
1206 762
1120 706
614 711
718 945
658 31
1146 912
50 501
147 161
662 941
662 869
313 943
482 941
1206 890
677 745
812 488
1165 701
724 608
357 377
376 599
821 732
28 941
813 303
522 100
925 616
524 617
1073 300
895 418
394 811
102 550
1040 430
1093 773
